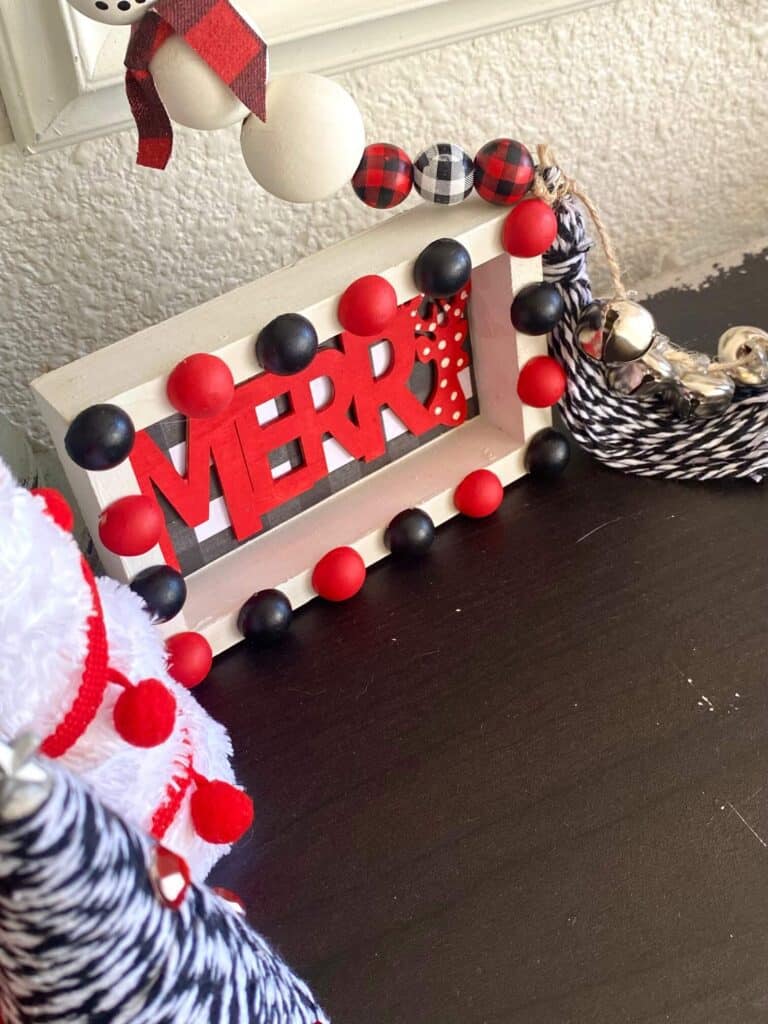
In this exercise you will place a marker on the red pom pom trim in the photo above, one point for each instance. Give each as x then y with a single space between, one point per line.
221 813
479 494
339 575
145 714
56 507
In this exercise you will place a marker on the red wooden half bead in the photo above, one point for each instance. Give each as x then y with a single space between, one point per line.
339 575
131 525
189 658
530 229
368 306
479 494
201 386
542 382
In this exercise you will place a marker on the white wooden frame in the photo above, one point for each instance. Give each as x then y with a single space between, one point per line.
133 374
61 74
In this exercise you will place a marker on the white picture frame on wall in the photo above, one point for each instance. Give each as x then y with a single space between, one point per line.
61 74
133 374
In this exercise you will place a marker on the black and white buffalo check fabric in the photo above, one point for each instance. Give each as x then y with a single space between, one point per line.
201 545
444 174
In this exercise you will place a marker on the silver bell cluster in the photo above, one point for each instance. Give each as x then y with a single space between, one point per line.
641 362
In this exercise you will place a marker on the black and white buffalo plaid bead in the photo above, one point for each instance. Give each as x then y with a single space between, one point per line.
385 176
444 174
503 171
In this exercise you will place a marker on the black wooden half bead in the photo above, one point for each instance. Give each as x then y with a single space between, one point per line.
443 268
410 534
100 437
548 454
537 308
163 591
287 345
265 617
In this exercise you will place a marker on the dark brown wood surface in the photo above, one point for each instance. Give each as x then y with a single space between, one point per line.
526 781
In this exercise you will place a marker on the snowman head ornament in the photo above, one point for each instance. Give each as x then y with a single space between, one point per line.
113 12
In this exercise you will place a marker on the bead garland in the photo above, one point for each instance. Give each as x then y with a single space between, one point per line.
303 136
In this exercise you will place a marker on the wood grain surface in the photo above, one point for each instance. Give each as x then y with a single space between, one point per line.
526 781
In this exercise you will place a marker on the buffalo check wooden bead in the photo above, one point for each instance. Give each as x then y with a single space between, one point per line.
444 174
384 178
503 171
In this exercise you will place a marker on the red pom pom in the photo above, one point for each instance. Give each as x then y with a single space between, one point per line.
368 306
56 507
530 229
189 658
131 525
220 813
542 382
479 494
201 386
339 575
145 714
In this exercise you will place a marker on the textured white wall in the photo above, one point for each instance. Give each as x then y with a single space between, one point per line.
659 106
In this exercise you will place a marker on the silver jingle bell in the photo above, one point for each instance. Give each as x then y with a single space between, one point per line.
683 360
744 350
642 378
615 330
700 395
738 342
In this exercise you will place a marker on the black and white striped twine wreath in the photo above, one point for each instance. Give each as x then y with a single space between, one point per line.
632 435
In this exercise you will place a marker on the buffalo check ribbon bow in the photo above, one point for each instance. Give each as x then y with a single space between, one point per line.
215 31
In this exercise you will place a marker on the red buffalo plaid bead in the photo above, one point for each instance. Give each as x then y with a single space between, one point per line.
503 171
385 176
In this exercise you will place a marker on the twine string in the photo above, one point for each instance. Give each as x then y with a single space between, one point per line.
553 188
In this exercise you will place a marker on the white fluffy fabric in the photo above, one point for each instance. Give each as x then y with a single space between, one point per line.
45 603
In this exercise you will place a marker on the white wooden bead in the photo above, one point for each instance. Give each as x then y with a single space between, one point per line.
312 141
191 91
109 13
